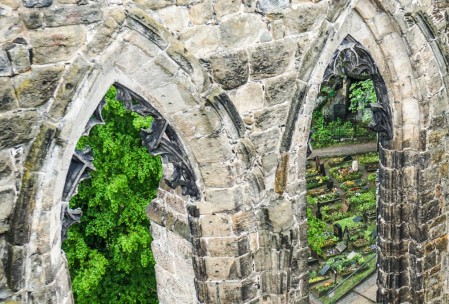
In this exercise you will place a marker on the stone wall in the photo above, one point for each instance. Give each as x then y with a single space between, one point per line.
237 81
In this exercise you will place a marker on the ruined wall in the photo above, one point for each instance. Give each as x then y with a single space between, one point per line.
237 81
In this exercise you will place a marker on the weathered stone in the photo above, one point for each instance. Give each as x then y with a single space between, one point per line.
155 4
6 206
33 18
201 40
103 37
60 42
271 59
20 58
5 65
216 225
269 6
230 69
10 26
280 215
68 15
280 89
269 117
175 18
37 3
8 99
301 19
248 97
277 29
72 77
36 88
226 7
18 127
201 13
241 30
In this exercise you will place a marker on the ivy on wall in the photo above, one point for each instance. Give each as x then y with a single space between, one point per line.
109 253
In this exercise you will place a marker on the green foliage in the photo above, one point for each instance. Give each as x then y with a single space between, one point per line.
109 253
372 177
369 158
361 94
315 232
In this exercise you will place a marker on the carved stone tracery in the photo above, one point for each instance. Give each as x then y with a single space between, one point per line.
159 139
352 60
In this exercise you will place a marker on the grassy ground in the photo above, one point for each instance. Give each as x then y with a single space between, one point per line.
351 282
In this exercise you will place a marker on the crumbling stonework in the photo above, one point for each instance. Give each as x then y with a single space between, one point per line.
237 81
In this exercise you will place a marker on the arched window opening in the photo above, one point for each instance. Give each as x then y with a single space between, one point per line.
351 119
109 251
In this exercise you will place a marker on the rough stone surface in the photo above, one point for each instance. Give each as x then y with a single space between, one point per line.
18 127
237 82
61 44
35 88
271 59
230 69
8 99
59 16
5 65
20 58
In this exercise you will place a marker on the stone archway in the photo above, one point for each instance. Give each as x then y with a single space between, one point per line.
235 132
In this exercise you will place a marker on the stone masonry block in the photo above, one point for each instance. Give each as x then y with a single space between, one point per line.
280 215
37 3
8 99
60 42
32 18
5 65
280 89
230 69
238 31
270 6
201 12
20 58
272 58
222 247
248 97
226 7
68 15
216 225
18 127
36 88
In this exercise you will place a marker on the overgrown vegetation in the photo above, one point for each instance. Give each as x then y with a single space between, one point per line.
109 253
327 133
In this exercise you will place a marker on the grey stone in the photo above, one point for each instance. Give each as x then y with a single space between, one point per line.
60 42
271 59
37 3
68 15
301 19
5 65
201 12
35 88
20 58
280 89
32 18
8 100
6 206
225 7
17 128
5 166
155 4
230 69
241 30
268 6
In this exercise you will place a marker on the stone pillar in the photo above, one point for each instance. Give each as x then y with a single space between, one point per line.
172 247
410 247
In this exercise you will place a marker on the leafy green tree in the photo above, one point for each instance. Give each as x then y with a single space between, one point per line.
361 94
109 253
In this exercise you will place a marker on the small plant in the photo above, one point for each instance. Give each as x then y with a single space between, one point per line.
369 158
